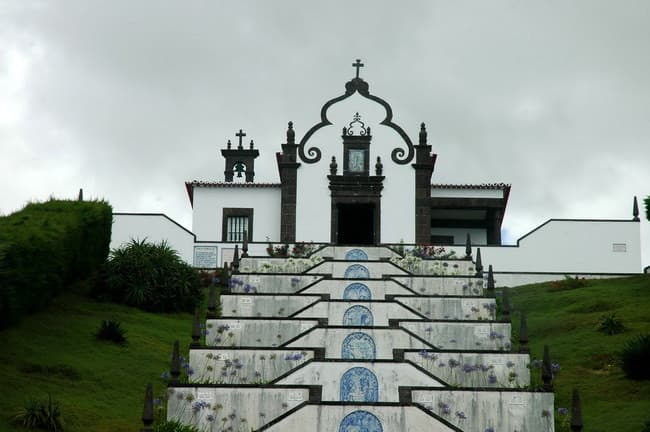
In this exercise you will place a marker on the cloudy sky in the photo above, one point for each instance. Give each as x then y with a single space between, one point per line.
129 99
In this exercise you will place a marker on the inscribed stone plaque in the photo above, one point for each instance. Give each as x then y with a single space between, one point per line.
295 396
205 396
205 256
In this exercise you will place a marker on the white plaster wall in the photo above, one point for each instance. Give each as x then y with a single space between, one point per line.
272 283
244 408
334 311
255 332
243 366
154 228
327 418
336 288
571 247
508 370
263 306
443 285
437 192
502 411
390 376
491 336
209 202
479 236
459 308
385 341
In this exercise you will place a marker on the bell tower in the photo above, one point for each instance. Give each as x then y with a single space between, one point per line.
240 160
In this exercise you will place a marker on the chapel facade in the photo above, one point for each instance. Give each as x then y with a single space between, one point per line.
365 182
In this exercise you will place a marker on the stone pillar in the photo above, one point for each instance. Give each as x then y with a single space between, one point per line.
424 165
147 411
288 168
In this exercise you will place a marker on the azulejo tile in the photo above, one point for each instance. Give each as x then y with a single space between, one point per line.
358 346
360 421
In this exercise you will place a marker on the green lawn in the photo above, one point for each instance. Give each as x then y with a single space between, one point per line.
567 320
100 385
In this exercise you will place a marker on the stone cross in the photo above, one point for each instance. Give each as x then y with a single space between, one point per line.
240 135
358 65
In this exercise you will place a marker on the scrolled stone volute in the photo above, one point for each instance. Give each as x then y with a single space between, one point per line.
175 369
196 330
547 371
147 410
576 412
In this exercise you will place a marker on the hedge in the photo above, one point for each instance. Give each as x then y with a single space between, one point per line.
47 246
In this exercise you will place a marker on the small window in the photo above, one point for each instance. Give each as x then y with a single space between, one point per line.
234 222
619 247
236 227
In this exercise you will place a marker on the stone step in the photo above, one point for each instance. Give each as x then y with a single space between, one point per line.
352 289
357 313
255 332
361 418
264 306
359 381
245 366
451 308
499 410
437 285
468 335
474 369
359 343
357 269
356 253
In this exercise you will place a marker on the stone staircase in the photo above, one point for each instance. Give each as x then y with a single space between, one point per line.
358 339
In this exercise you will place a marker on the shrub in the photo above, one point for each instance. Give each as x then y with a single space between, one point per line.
151 277
47 246
111 330
635 358
610 325
40 415
646 427
568 283
173 426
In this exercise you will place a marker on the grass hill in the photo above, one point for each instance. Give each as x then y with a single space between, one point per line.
101 386
566 316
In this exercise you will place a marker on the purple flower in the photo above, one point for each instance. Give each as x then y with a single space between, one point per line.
461 415
562 411
546 413
510 364
444 408
467 368
492 379
209 418
157 401
536 363
453 363
164 375
555 366
490 429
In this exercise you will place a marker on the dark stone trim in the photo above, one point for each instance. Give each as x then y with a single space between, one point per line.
230 212
466 203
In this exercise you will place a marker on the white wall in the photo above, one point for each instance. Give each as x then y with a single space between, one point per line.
571 246
209 202
153 227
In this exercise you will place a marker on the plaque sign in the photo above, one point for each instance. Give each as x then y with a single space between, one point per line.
205 256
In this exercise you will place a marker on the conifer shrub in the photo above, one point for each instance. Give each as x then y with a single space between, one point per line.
149 276
45 247
635 358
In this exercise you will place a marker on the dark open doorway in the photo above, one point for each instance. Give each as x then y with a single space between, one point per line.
356 224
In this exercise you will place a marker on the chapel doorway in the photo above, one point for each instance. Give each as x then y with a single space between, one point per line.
356 224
